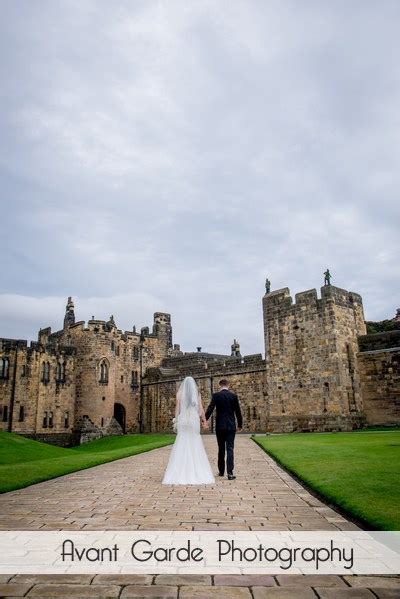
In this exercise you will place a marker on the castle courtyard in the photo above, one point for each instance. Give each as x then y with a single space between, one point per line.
127 494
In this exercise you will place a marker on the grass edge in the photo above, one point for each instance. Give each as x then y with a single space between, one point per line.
363 523
112 459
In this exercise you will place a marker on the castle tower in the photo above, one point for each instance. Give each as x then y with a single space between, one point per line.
311 347
69 318
162 328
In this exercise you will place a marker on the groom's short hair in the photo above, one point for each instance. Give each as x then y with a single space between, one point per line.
224 383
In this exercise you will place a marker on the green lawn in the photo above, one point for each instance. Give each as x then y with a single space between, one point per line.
358 472
24 462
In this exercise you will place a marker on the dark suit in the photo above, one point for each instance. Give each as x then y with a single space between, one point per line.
227 407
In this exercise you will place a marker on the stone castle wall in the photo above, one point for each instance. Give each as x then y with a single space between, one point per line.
379 366
320 373
245 375
81 404
311 345
31 404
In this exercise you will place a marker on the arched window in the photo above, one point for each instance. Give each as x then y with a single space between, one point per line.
50 419
46 372
60 372
103 372
4 367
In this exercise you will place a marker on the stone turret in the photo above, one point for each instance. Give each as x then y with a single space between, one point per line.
162 328
311 347
69 318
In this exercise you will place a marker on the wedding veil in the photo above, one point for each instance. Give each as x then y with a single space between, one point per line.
188 395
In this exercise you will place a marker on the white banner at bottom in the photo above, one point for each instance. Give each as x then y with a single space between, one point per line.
200 552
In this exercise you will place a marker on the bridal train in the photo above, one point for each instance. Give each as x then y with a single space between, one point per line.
188 463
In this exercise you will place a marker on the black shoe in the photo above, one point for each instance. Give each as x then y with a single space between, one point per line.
231 477
219 474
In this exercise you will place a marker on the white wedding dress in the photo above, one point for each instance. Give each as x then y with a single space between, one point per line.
188 463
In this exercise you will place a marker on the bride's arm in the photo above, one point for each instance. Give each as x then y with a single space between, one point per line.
201 412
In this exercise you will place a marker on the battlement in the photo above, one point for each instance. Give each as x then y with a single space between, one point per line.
200 364
340 296
12 344
162 317
281 300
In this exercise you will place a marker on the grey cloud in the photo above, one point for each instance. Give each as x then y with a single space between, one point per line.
169 156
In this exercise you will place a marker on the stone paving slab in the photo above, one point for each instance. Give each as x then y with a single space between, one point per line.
128 494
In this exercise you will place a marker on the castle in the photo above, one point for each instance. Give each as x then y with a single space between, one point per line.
321 372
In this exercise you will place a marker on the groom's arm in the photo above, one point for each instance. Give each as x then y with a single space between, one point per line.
210 408
238 413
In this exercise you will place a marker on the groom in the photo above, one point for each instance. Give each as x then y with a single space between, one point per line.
227 407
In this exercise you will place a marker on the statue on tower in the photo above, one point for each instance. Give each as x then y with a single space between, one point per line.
110 324
69 318
267 286
235 349
328 276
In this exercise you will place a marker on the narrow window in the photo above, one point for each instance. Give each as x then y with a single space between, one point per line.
134 382
60 372
5 413
66 419
103 372
45 420
21 414
46 372
4 366
50 419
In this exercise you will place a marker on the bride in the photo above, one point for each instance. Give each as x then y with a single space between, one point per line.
188 463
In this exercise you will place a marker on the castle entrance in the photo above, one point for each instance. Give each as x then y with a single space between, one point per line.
119 415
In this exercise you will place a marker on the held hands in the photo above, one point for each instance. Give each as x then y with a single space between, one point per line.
204 424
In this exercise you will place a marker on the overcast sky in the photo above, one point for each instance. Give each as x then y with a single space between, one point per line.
168 156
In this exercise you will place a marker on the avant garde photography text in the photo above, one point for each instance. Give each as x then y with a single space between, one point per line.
142 550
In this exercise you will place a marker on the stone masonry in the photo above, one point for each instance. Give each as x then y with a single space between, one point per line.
321 372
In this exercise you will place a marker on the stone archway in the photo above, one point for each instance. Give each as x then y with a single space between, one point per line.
120 415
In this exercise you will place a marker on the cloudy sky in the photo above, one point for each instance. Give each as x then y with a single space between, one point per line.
169 155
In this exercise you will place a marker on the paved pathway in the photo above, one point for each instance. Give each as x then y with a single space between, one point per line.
128 495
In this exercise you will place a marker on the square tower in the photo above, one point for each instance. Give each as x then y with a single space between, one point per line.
310 347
